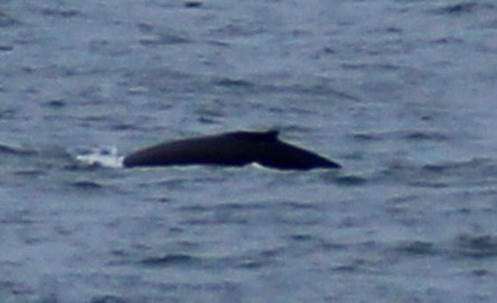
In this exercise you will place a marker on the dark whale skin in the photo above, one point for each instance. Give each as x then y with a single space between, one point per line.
230 149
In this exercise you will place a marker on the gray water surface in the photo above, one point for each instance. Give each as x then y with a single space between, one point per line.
402 93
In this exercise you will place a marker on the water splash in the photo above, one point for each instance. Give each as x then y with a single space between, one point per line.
102 156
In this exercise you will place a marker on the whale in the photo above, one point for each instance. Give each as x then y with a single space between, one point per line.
237 148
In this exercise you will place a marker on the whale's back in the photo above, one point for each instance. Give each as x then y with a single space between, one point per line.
230 149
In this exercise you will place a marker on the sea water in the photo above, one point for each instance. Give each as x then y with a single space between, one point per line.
402 93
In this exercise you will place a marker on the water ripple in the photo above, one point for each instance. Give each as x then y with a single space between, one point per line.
476 246
193 4
417 248
108 299
6 48
415 135
350 180
172 260
60 13
7 21
461 8
233 83
87 185
476 171
163 39
15 150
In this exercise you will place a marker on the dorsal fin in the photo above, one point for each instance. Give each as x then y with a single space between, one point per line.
270 135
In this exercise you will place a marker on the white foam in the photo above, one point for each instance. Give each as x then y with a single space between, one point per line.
106 157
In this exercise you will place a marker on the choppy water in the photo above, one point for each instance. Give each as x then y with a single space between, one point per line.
401 93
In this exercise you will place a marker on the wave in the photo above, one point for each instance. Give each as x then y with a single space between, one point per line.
415 135
465 7
172 260
475 171
8 149
476 246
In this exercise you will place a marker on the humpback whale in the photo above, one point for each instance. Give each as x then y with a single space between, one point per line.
230 149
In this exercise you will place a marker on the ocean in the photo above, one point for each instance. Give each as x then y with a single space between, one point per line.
399 92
